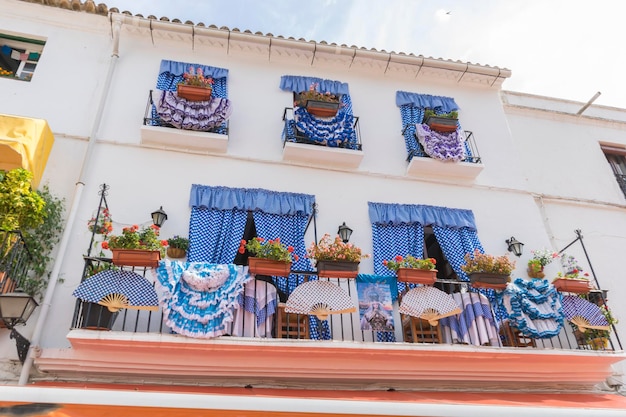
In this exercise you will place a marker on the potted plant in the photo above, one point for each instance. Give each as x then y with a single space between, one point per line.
136 247
413 270
93 315
318 104
540 259
271 256
444 122
177 247
488 271
195 86
574 280
335 258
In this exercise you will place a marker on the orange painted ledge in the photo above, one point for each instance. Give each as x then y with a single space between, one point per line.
271 361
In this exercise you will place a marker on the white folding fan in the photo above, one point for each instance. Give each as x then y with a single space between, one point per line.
428 303
319 298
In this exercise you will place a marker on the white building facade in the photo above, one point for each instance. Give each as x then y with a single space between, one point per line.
539 172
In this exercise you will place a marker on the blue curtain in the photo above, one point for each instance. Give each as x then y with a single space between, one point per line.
171 73
298 84
214 235
426 101
423 214
250 199
290 228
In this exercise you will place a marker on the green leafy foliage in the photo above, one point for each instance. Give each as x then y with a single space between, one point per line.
178 242
411 262
431 113
41 242
272 249
20 207
480 262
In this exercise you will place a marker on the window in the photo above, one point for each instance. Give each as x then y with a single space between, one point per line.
19 55
617 159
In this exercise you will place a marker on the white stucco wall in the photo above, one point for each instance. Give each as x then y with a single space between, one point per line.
526 153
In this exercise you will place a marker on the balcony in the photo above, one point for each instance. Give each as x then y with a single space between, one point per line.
423 166
300 148
279 349
156 132
14 259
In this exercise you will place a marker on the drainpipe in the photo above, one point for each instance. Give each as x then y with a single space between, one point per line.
76 200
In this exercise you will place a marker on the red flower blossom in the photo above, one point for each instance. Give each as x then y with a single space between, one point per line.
398 258
105 245
290 249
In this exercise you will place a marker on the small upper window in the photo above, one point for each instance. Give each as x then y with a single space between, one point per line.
616 156
19 55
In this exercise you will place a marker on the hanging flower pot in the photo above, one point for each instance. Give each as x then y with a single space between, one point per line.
489 280
417 276
573 285
337 269
136 257
194 92
262 266
534 273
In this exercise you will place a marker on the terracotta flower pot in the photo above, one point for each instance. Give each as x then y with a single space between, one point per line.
261 266
417 276
136 257
573 285
322 108
489 281
176 253
535 274
194 92
442 124
337 269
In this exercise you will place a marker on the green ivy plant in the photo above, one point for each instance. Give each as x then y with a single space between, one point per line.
38 216
41 241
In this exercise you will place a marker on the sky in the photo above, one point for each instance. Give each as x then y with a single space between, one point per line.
568 49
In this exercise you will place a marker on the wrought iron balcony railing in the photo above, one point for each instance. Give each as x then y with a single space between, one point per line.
14 259
263 315
151 118
415 148
292 133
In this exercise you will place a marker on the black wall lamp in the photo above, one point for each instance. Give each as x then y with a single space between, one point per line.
16 308
159 217
515 246
344 232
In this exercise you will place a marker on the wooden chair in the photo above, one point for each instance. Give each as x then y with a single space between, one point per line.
512 336
291 325
416 330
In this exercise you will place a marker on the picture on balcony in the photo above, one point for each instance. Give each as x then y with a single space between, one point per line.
375 306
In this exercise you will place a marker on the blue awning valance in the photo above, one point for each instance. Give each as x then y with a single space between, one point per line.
299 84
426 101
251 199
382 213
179 68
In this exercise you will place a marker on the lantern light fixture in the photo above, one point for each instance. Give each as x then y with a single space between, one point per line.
159 217
515 246
16 308
344 232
